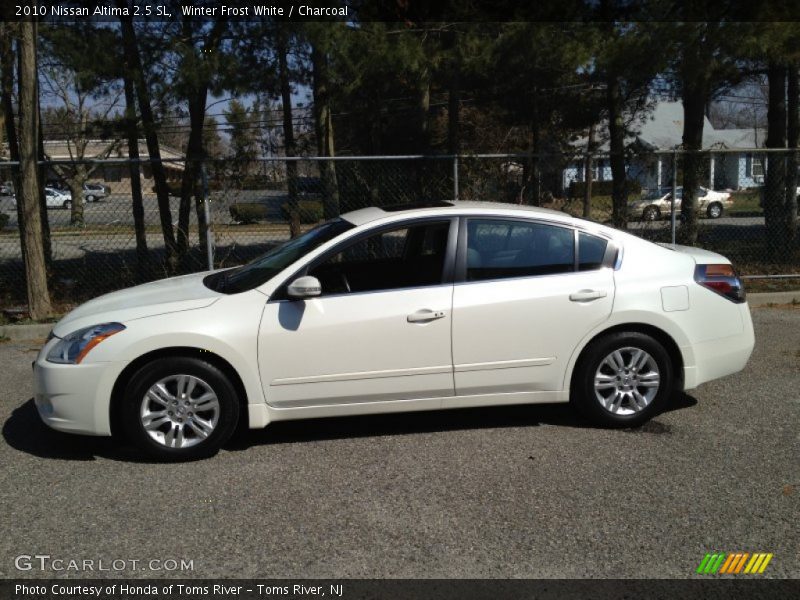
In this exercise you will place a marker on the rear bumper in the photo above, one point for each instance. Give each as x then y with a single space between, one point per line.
720 357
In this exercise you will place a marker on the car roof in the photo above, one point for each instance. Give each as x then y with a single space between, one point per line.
457 207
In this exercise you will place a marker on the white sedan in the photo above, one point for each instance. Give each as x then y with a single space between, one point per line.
710 203
426 307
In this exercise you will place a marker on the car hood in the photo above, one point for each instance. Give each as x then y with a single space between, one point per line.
156 298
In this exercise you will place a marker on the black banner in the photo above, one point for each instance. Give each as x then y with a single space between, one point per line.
392 589
410 12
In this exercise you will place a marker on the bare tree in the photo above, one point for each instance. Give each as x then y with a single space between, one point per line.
72 123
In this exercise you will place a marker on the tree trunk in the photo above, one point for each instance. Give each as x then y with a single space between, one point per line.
616 134
132 58
35 268
588 175
46 241
7 87
453 111
534 184
423 108
423 137
288 131
324 131
195 154
793 137
775 186
137 204
189 182
694 103
75 186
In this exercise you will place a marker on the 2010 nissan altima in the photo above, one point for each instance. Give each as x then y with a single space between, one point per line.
409 308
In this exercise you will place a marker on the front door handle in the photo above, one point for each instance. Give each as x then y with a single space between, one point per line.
425 315
587 295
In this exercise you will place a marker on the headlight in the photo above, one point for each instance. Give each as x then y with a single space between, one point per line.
72 348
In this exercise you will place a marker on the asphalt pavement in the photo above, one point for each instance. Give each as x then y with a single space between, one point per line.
528 491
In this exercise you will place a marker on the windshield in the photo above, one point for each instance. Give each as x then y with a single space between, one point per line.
266 266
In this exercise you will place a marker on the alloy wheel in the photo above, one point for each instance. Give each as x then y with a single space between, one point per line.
627 381
179 411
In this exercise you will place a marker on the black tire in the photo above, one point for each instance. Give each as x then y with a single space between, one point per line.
67 204
91 198
584 396
651 213
714 210
150 374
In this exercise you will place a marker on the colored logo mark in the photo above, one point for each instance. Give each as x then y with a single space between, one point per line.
734 563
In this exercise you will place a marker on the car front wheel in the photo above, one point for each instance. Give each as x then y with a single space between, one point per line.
67 204
91 198
622 379
179 409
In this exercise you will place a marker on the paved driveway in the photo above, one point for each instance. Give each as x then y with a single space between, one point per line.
504 492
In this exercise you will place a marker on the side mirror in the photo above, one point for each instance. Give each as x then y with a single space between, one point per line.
304 287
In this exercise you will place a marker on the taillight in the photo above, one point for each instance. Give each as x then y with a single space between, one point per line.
721 279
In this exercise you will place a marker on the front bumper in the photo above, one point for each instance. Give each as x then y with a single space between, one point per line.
75 398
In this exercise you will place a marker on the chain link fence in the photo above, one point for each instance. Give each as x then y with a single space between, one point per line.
745 207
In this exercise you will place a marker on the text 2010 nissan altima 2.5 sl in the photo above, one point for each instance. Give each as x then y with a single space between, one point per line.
419 307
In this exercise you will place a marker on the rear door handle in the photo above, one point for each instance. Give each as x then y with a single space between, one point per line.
587 295
425 315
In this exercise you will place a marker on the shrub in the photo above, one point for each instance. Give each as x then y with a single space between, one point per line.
602 188
3 220
248 212
311 211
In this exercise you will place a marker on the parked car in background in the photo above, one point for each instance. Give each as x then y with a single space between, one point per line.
92 192
53 198
710 203
57 198
417 307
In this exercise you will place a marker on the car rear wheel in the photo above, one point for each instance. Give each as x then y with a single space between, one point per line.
622 379
91 198
67 204
179 409
651 213
714 210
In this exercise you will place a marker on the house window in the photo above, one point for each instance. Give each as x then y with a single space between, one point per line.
756 166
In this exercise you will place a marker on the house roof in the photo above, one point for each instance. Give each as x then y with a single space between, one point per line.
65 150
663 130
